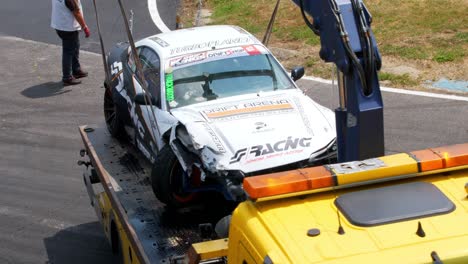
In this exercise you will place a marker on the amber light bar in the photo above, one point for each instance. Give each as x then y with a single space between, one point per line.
441 158
288 182
324 177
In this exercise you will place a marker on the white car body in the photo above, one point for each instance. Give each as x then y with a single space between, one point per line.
246 132
258 131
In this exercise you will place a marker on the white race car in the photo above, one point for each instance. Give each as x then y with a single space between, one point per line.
220 108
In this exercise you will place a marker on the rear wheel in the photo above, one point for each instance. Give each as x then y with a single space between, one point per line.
116 243
111 113
166 179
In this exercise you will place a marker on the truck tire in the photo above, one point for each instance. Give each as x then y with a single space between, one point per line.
115 240
114 123
166 180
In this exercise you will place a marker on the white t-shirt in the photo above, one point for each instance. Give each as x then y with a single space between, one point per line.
62 17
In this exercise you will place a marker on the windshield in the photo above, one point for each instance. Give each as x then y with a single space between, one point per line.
227 77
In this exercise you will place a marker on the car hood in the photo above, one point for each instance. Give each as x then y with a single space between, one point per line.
258 131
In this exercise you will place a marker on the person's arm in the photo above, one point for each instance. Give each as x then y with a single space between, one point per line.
75 9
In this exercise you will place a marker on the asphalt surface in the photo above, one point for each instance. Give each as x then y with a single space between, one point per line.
31 20
411 122
45 216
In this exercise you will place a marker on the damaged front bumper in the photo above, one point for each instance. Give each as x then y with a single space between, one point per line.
216 177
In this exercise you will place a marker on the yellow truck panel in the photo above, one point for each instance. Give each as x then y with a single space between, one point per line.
279 229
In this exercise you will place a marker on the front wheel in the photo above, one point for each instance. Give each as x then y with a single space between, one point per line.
166 179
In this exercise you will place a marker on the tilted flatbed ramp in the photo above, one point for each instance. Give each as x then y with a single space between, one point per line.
136 223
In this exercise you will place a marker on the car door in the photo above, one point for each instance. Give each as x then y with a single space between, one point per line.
148 136
129 92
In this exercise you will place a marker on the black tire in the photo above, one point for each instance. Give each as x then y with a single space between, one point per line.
166 180
114 123
116 245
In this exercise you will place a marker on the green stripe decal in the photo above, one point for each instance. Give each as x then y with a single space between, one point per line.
169 87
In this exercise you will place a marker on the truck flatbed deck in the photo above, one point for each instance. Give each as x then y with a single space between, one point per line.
128 207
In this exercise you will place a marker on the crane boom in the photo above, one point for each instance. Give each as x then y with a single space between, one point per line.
344 28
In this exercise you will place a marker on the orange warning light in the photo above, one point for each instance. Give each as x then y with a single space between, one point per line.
288 182
454 155
428 160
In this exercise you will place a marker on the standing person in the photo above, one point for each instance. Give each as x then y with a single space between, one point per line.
67 20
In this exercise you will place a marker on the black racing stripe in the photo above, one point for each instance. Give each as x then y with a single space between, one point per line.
417 160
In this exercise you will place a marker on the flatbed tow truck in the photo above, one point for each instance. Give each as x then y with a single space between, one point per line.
402 208
302 216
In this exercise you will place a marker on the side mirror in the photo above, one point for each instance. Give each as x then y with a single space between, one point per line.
297 73
140 99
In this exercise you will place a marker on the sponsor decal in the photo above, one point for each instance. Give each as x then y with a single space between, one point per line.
187 59
116 71
161 42
253 115
248 108
145 152
210 44
251 50
215 138
261 127
226 52
169 80
271 150
212 55
304 116
133 113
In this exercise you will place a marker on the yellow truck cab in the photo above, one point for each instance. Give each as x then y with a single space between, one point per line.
404 208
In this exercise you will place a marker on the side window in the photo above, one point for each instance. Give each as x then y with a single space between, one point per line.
131 61
149 59
151 69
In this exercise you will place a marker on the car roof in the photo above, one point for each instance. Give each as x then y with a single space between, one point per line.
199 39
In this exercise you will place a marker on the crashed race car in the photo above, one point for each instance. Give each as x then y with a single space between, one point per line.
217 107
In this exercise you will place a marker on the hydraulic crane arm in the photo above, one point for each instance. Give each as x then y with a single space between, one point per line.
344 28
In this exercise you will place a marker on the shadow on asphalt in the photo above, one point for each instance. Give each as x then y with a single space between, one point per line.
47 89
83 243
